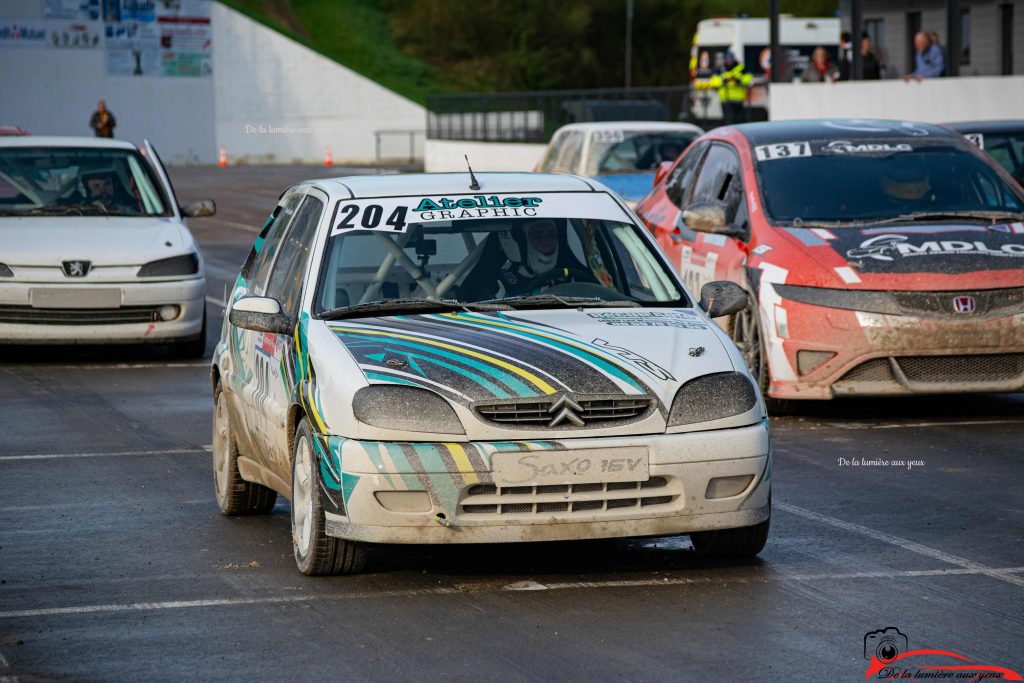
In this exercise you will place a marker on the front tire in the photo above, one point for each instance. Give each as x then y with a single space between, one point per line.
316 553
745 330
235 496
732 544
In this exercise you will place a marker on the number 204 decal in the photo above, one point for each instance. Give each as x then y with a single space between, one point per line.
785 150
359 216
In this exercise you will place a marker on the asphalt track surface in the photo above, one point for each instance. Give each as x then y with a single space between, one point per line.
115 563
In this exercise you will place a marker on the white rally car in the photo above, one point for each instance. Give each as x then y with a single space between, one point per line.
93 248
451 359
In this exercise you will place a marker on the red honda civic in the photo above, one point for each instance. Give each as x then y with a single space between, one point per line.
880 257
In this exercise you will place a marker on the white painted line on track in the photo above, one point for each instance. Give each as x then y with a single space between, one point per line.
454 590
57 456
977 567
116 366
233 224
907 425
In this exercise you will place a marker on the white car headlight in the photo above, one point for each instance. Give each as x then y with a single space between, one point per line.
186 264
406 409
712 397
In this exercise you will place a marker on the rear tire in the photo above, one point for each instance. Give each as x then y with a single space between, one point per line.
235 496
316 553
745 330
191 349
745 542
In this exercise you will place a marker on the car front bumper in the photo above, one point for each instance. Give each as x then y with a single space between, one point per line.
448 493
34 313
877 354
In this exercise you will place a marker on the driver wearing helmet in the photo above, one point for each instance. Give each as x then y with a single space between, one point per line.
526 256
906 184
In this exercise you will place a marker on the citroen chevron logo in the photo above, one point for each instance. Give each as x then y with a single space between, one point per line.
565 409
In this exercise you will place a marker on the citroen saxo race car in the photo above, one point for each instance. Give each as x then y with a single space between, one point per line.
884 257
452 359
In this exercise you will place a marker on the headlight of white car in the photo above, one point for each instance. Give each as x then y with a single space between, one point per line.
5 270
186 264
406 409
712 397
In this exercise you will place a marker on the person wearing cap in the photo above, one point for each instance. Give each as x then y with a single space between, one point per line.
732 86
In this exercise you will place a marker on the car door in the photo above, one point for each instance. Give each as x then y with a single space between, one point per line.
245 382
165 179
704 256
275 353
666 218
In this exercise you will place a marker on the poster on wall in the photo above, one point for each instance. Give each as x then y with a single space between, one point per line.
22 33
185 38
76 35
79 10
157 37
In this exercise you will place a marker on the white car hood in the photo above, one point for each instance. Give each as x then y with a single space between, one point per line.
479 357
114 241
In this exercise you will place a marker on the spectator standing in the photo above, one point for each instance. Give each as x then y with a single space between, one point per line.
732 85
845 56
102 121
820 70
869 62
929 62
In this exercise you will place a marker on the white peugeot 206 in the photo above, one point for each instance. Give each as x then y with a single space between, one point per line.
472 359
93 248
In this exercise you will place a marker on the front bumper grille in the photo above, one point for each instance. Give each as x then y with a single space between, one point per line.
959 370
27 315
988 303
597 411
570 499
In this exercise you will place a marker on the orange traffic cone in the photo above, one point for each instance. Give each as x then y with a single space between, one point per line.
328 160
222 159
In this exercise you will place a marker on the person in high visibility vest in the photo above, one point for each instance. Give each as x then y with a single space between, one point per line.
732 85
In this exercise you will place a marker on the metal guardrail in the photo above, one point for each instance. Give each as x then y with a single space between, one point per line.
533 116
405 145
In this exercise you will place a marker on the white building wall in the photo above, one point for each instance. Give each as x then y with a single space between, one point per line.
937 100
51 91
442 156
302 100
280 102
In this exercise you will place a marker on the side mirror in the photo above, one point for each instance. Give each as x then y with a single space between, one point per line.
663 169
709 217
722 297
199 209
260 314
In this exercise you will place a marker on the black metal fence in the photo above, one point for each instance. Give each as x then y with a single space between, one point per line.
534 116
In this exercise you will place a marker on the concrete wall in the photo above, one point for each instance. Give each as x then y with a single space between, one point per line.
280 102
934 101
51 91
447 155
269 100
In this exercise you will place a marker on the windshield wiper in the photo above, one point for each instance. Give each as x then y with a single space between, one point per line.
410 304
545 300
936 215
76 210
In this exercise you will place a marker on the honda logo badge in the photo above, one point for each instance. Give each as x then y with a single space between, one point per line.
76 268
963 304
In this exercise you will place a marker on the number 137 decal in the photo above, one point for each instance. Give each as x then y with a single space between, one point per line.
784 150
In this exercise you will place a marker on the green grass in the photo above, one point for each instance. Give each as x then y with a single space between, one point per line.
354 33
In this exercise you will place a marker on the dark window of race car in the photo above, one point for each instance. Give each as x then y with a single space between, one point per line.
862 180
287 276
633 151
72 181
260 265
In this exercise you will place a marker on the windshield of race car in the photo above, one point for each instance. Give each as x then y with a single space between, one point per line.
470 260
865 180
77 181
618 151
